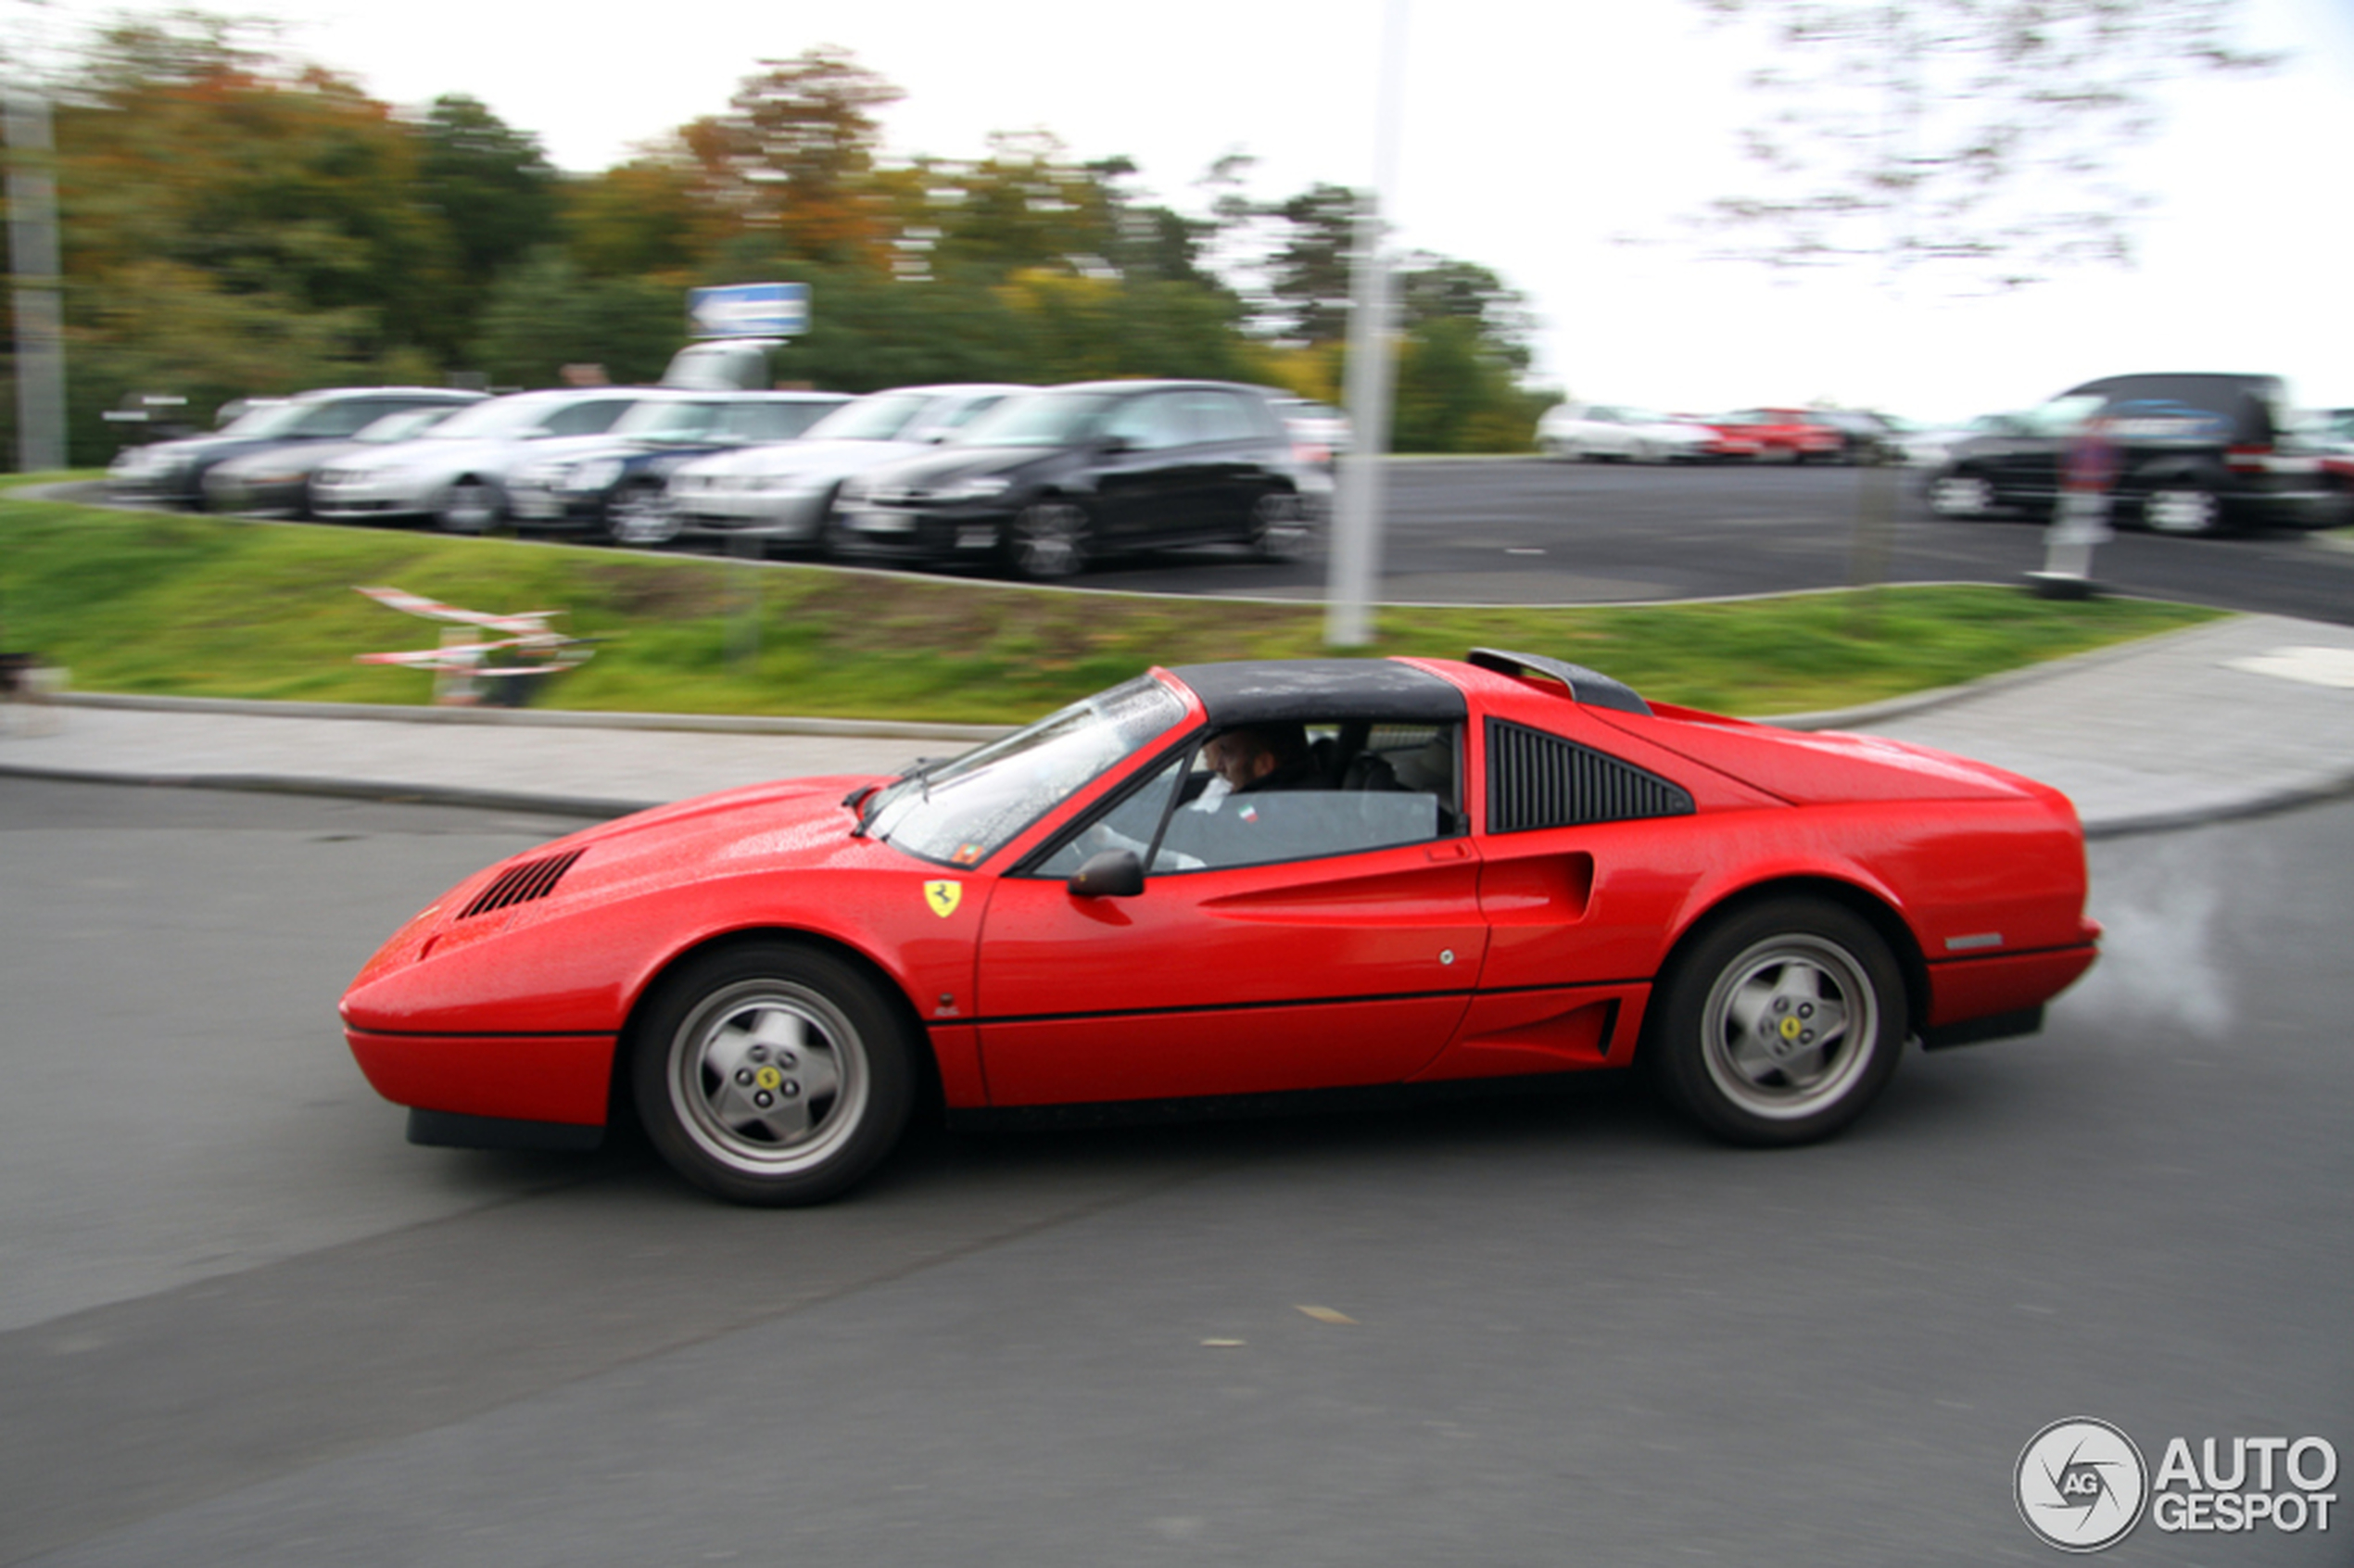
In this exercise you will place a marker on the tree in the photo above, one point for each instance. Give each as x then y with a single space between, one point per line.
1976 138
492 186
794 154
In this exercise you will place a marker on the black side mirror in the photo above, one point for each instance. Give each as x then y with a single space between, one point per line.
1112 873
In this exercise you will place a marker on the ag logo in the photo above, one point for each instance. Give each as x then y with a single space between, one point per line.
943 897
2081 1485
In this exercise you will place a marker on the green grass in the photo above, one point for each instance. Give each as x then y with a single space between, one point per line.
203 606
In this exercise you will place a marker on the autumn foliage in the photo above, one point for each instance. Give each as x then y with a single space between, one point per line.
236 223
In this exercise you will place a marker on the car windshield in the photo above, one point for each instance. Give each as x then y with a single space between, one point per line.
407 423
334 418
962 812
877 418
668 420
2061 416
1048 419
500 416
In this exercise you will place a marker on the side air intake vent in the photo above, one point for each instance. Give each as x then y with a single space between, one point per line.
1539 780
521 884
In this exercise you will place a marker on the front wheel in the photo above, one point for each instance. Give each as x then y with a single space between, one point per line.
772 1073
1780 1024
641 514
469 506
1049 539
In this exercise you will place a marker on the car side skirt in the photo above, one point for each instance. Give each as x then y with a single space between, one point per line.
1348 1099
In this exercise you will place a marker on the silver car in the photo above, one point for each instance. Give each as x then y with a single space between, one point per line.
458 475
783 493
1581 431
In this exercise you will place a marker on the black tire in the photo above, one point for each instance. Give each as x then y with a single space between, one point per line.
1779 1024
2184 506
771 1073
1281 528
469 506
1960 496
1050 538
639 513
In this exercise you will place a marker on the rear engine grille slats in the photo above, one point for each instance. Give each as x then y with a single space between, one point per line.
1536 780
521 884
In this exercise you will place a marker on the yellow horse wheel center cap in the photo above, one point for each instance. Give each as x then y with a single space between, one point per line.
1790 1029
768 1077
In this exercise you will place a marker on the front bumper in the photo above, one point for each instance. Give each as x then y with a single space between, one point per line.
539 1078
943 534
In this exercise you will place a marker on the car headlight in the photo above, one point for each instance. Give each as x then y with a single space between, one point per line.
979 489
597 474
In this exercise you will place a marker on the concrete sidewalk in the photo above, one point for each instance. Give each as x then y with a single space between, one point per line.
2238 716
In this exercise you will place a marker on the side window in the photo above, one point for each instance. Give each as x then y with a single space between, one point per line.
958 417
591 416
1149 423
1329 788
1221 416
1539 780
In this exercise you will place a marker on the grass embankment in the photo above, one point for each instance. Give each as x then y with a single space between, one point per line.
202 606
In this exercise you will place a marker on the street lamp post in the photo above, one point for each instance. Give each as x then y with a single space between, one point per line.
1357 505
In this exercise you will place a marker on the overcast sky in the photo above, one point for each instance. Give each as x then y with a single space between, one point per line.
1535 135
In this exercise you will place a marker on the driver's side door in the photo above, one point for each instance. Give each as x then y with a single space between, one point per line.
1240 968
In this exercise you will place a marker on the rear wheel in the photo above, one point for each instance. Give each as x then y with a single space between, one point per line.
1960 494
1782 1024
772 1073
1279 526
2186 507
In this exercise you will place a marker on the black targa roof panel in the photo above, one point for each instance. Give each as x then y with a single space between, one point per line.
1263 690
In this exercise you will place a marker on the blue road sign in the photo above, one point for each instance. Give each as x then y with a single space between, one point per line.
749 311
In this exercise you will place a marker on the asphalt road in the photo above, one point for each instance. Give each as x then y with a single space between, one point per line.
242 1322
1536 532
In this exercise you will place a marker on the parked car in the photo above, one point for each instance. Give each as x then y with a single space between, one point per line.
1049 482
1581 431
457 473
782 493
173 472
277 481
1321 435
1783 434
1503 868
616 486
2189 454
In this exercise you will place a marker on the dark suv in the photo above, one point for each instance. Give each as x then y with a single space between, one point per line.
1049 481
2192 454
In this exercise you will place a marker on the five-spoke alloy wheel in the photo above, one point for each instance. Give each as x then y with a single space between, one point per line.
1780 1024
772 1073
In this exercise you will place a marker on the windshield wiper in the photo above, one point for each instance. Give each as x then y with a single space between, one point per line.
868 798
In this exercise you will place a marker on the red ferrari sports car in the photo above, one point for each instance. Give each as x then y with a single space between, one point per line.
1239 879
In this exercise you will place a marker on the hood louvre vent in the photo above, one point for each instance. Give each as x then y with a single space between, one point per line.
522 884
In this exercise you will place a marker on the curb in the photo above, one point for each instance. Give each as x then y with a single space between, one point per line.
551 719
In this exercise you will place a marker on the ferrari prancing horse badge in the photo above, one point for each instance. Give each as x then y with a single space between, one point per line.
943 897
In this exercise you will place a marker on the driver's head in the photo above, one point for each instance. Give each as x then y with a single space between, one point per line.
1242 757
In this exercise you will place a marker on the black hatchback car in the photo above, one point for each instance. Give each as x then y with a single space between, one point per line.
1050 481
2190 454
